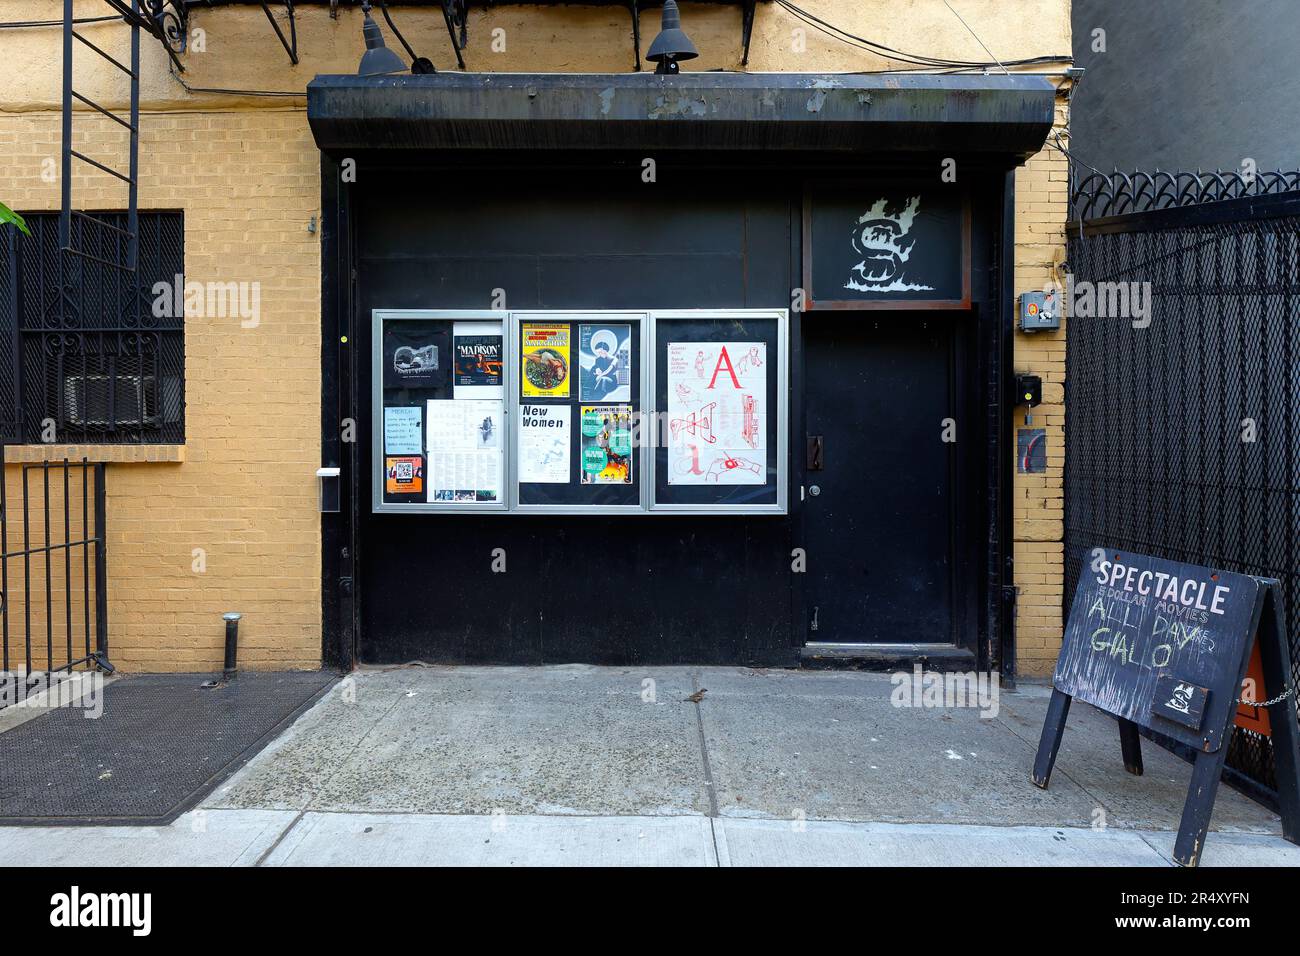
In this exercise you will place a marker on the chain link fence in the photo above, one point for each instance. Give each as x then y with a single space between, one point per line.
1183 384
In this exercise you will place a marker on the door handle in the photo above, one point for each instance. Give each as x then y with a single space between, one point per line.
815 449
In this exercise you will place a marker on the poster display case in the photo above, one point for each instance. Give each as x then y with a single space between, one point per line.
578 411
721 387
581 412
439 429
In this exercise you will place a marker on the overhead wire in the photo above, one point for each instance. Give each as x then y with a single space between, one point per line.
22 24
852 39
922 62
227 92
974 34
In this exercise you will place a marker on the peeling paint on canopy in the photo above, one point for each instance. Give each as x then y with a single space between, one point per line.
1006 115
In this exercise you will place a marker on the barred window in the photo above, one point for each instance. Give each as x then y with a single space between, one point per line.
91 353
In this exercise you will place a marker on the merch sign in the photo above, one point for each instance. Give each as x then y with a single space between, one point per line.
886 245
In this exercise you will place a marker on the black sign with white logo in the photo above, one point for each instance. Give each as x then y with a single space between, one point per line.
887 245
1179 701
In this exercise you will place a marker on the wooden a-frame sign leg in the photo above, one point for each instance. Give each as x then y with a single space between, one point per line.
1130 745
1058 708
1207 768
1054 729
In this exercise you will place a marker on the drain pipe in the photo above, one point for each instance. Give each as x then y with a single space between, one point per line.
232 644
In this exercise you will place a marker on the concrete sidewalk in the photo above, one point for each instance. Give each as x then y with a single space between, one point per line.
584 765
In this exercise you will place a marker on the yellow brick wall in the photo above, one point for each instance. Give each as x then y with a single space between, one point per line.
245 495
1042 193
245 171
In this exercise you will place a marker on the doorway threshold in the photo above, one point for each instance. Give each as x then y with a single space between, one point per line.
945 656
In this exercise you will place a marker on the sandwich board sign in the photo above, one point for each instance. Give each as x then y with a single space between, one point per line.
1166 646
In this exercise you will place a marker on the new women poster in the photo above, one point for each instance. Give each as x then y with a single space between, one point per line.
544 444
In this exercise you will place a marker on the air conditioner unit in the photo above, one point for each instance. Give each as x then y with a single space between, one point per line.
136 401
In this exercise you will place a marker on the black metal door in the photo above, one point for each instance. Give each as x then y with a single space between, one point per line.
880 506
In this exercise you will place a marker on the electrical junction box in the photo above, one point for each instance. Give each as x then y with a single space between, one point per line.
1029 390
1040 311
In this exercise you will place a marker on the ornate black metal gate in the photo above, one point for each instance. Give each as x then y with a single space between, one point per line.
1183 411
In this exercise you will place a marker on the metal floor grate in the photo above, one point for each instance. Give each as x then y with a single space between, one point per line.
161 745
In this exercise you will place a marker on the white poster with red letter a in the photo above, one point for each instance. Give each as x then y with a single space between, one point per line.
717 413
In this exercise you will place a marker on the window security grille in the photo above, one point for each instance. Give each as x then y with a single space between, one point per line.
85 356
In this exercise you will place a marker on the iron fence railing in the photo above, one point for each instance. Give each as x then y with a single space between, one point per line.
1099 195
53 570
1183 416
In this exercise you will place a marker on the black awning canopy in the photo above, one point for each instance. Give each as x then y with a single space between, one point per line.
1007 115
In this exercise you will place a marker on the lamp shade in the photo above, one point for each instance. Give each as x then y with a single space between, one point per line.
672 43
378 59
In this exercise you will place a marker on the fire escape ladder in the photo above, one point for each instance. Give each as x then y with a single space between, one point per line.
126 241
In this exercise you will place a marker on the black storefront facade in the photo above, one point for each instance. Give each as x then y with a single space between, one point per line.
838 248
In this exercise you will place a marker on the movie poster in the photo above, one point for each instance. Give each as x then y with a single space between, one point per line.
717 413
416 354
404 475
465 450
606 445
605 363
545 349
544 444
478 355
